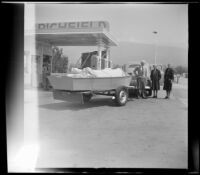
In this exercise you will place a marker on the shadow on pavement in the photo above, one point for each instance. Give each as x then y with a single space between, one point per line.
78 106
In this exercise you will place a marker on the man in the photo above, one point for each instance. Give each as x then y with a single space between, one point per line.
155 78
141 75
46 73
168 78
44 76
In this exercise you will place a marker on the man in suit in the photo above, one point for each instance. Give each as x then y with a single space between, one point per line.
168 78
155 78
141 75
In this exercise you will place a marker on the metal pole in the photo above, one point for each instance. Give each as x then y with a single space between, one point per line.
155 32
155 53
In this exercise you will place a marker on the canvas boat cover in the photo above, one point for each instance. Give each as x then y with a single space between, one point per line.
91 73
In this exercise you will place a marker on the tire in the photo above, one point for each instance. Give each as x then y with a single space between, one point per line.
121 96
149 92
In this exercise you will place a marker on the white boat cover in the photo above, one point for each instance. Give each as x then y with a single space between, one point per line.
88 72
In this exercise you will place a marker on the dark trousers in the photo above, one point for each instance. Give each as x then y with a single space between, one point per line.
45 82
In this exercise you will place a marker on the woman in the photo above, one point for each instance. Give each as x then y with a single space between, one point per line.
168 78
155 78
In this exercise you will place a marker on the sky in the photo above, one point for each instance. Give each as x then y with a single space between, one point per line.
128 22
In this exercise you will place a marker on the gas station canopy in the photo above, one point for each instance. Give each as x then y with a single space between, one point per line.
87 33
78 39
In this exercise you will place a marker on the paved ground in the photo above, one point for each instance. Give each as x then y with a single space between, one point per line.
148 133
180 90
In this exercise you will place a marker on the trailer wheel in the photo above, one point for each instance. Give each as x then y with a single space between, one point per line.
121 96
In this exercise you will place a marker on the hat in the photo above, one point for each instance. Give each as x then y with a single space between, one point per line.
143 61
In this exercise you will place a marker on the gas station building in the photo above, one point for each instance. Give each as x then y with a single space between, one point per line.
38 45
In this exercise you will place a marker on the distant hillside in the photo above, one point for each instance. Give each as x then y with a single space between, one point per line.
127 52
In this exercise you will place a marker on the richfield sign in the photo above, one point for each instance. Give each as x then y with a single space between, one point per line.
72 26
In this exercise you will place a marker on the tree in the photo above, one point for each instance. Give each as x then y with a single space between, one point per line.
180 70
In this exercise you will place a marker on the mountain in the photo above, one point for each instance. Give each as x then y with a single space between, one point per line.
127 52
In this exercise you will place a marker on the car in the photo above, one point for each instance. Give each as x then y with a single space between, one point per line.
130 70
131 67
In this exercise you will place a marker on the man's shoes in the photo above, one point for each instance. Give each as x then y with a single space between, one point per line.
154 96
166 97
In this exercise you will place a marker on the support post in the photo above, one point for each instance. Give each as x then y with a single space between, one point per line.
107 56
100 49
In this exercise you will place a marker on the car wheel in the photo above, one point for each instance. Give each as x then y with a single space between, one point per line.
149 92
